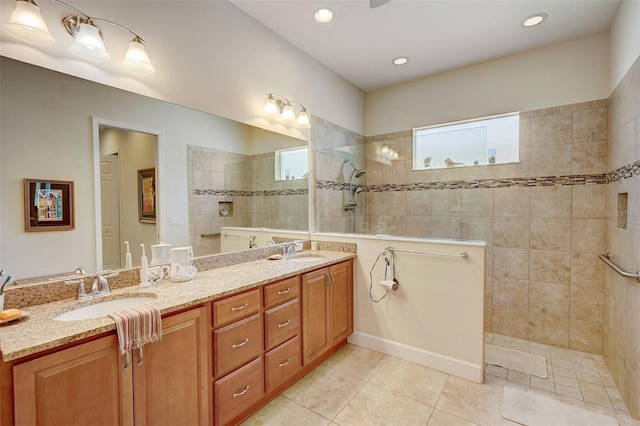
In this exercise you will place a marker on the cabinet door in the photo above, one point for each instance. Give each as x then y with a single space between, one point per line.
82 385
315 338
171 383
340 302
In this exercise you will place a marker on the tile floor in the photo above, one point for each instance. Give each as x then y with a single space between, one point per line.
358 386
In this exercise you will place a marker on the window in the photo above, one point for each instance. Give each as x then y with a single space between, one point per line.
292 163
489 140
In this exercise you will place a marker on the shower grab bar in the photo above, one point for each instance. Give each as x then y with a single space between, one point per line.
251 237
606 259
205 235
463 255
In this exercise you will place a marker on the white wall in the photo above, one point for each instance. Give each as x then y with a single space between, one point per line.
566 73
238 61
625 41
433 291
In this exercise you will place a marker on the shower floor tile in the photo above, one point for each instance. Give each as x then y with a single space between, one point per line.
373 388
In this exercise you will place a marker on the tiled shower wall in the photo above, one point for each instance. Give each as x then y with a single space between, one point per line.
542 218
622 295
228 189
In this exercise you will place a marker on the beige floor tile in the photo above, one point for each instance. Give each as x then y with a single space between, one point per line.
597 399
517 377
283 411
591 388
356 361
568 391
481 404
440 418
373 405
564 372
325 391
566 381
411 380
494 370
543 384
589 378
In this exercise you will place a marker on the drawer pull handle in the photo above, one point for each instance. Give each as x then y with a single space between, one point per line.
285 291
242 392
237 345
284 364
239 308
284 324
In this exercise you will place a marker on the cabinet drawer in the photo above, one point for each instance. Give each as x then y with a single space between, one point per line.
238 391
281 323
236 344
282 363
282 291
233 308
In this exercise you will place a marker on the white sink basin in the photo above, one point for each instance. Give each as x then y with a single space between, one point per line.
306 259
102 309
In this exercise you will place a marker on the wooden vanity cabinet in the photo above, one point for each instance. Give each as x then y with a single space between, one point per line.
327 309
84 384
90 384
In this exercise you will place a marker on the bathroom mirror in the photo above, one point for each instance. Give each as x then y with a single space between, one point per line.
47 131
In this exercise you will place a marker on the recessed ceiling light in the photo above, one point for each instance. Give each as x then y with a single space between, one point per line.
534 20
323 15
401 60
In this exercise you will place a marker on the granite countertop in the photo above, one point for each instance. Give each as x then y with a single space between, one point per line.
38 331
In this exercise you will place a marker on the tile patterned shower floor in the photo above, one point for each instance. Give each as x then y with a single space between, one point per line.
358 386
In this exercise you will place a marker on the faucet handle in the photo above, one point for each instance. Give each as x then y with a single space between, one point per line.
82 293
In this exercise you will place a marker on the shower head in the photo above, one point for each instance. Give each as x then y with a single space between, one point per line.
358 173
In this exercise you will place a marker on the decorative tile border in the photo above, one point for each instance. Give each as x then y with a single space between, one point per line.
235 193
625 172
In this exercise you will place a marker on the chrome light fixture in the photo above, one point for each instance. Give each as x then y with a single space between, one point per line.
28 25
278 105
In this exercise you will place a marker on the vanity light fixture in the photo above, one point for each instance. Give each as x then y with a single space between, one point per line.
401 60
27 24
534 20
278 105
323 15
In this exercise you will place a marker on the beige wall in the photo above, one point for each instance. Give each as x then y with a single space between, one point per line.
622 295
566 73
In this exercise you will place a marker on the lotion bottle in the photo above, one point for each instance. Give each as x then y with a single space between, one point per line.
127 257
144 270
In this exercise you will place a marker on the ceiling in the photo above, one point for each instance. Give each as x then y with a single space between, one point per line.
436 36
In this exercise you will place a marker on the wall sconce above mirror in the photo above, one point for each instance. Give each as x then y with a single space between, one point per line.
27 24
278 105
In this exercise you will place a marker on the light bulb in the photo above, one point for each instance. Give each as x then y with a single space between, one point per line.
89 44
271 106
26 23
136 58
303 118
287 112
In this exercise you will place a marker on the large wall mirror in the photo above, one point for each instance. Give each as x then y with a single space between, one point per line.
205 165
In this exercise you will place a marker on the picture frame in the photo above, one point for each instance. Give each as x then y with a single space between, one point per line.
147 195
48 205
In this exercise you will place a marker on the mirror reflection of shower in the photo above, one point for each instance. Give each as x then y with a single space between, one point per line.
353 190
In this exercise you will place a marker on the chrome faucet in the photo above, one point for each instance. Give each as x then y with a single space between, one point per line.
288 249
99 286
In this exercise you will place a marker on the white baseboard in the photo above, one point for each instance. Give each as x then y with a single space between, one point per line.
455 367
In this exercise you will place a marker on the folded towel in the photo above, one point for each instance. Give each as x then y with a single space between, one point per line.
137 326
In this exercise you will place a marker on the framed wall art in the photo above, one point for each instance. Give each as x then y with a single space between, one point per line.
48 205
147 195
